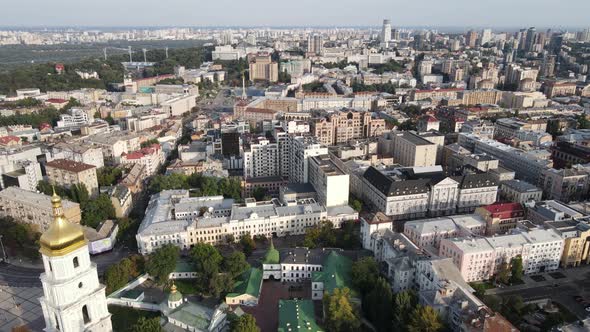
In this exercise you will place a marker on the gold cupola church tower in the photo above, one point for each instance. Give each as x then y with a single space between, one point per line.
73 300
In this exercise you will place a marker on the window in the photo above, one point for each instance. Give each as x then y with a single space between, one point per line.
76 263
85 315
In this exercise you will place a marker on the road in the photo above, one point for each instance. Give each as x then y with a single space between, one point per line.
577 283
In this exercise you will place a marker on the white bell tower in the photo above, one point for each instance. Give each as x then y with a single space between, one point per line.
73 298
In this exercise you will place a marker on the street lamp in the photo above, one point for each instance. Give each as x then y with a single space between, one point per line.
5 258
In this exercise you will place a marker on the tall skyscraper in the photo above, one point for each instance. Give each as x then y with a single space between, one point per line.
531 36
471 38
486 36
386 31
73 298
315 44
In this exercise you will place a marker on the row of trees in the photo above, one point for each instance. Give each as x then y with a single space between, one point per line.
109 175
215 273
386 87
118 275
386 311
19 238
94 211
324 235
199 184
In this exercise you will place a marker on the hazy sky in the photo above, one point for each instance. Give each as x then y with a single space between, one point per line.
500 13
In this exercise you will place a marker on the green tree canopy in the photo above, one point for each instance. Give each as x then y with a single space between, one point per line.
245 323
516 269
403 305
207 261
364 274
425 319
247 243
147 325
339 312
377 305
235 264
162 262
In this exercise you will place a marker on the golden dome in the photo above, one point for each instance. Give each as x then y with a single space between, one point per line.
62 237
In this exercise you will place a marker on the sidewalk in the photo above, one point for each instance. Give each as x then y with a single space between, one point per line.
26 263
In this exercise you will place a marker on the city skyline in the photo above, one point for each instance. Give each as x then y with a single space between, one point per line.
428 13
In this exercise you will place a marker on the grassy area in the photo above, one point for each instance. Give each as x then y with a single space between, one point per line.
124 318
187 287
484 284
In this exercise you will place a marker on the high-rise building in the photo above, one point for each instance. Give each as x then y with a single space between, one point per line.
386 31
471 38
531 36
486 36
73 300
315 44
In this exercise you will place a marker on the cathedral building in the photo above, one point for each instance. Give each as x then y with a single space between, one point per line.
73 300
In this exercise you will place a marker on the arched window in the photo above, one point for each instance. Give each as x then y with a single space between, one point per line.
85 315
76 263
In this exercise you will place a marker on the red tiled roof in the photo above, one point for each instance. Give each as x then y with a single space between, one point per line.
142 152
69 165
7 139
56 101
504 210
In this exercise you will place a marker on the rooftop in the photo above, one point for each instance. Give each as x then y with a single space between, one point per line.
69 165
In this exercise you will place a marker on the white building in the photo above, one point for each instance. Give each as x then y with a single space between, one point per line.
151 157
73 300
427 233
174 217
81 153
480 258
329 181
76 117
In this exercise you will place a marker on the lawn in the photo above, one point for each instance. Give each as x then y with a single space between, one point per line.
187 287
124 318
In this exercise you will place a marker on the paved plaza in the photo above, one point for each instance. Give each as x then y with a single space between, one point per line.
20 306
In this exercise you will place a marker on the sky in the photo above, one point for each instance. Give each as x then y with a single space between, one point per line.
426 13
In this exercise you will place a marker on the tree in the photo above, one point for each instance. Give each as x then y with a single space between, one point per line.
516 269
339 313
220 283
245 323
207 260
356 205
260 194
480 289
403 304
162 262
235 264
147 325
248 244
503 274
377 305
115 278
364 274
425 319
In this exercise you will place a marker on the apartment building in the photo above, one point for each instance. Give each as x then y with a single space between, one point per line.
480 258
410 149
510 128
261 158
500 218
67 173
82 153
342 127
565 185
151 157
179 105
33 208
428 233
519 191
329 181
115 144
172 217
555 89
576 247
527 166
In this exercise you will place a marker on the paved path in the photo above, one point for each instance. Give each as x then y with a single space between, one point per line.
20 306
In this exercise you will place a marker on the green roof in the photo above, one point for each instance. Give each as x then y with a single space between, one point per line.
336 273
296 316
175 296
192 315
184 266
250 283
272 255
